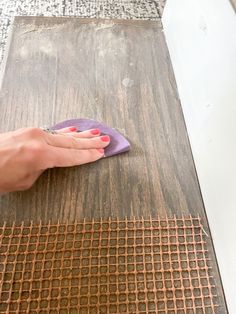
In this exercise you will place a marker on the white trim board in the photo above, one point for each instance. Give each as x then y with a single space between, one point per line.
201 37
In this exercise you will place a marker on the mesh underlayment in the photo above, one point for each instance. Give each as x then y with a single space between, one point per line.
113 266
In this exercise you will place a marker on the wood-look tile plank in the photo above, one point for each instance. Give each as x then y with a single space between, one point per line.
114 71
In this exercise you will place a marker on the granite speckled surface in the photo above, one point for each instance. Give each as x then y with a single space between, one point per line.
123 9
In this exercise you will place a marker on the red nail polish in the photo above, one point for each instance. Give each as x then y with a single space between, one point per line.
105 138
95 131
73 129
101 150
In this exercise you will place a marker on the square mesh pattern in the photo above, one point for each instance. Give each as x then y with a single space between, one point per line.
108 266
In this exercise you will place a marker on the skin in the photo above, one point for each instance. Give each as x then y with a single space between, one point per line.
26 153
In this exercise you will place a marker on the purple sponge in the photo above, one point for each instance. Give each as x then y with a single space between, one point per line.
118 143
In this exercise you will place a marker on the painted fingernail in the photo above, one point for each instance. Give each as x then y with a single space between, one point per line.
73 129
101 150
95 131
105 138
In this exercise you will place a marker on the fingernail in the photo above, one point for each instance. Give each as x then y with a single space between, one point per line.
95 131
105 138
101 150
73 129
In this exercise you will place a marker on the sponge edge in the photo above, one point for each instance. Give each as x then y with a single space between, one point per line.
118 143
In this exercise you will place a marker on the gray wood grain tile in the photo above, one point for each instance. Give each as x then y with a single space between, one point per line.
114 71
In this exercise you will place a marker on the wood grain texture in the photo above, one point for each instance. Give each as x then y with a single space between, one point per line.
118 72
114 71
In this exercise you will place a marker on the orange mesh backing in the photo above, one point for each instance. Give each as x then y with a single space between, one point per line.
129 266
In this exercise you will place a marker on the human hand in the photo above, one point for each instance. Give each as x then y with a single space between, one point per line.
26 153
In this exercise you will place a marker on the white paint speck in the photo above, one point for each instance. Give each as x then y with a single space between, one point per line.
101 53
104 25
47 48
24 52
127 82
